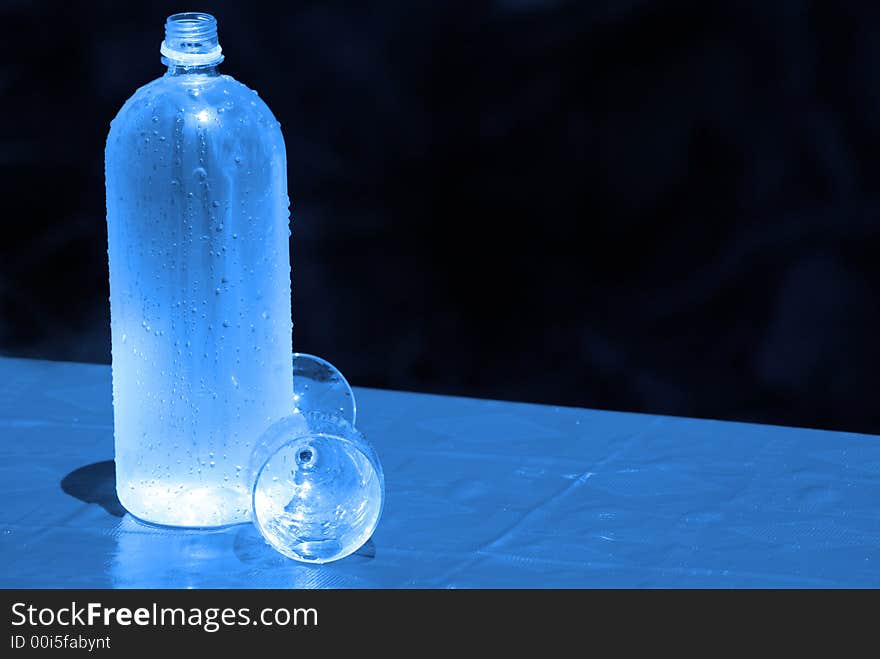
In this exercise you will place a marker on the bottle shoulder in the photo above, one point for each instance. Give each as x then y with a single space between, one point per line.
216 102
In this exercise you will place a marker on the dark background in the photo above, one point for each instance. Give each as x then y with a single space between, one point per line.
650 206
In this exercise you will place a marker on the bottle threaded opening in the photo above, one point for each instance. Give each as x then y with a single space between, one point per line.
191 40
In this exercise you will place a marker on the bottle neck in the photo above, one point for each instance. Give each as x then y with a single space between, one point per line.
176 69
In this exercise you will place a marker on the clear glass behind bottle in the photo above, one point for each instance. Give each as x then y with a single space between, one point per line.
197 217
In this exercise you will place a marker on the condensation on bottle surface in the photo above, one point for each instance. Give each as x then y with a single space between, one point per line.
197 218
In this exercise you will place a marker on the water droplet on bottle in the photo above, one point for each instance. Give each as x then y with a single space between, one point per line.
225 323
200 173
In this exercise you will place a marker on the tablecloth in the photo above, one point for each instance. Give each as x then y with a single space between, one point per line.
480 493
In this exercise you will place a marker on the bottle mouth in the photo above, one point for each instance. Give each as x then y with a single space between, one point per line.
191 40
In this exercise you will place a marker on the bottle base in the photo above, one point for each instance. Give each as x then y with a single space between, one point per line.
199 507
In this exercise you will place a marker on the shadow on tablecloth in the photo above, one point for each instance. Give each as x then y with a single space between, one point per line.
95 483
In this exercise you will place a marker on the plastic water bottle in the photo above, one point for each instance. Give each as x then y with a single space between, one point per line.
197 218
